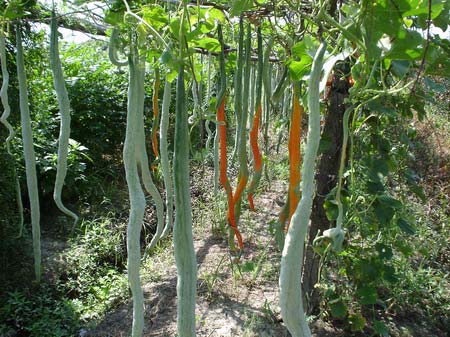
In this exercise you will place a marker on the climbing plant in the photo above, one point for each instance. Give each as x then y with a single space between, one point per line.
269 65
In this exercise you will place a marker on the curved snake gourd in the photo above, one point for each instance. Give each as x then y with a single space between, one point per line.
291 301
64 113
29 154
242 150
238 80
221 123
113 49
182 232
4 121
165 163
156 117
136 193
142 157
257 158
206 104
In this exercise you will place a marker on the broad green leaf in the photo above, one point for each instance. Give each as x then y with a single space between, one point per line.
357 322
155 16
442 20
433 86
405 226
400 68
383 212
175 25
380 328
389 201
338 309
367 294
384 252
331 209
389 274
248 266
14 10
418 191
207 43
239 6
406 45
422 8
213 14
298 69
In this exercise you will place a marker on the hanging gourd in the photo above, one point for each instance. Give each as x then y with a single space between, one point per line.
64 116
136 193
221 122
257 158
4 121
155 112
29 155
182 232
165 162
242 150
291 300
295 135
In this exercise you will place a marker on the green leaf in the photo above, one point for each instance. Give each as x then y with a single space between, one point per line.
331 209
248 266
298 69
383 212
240 6
14 10
433 86
441 20
114 16
418 191
380 328
338 309
155 16
389 201
406 46
208 43
389 274
367 294
384 252
405 226
215 14
400 67
357 322
422 8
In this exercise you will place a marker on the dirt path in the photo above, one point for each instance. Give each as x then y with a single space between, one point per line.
233 300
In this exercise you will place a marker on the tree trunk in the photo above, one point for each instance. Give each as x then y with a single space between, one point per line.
326 180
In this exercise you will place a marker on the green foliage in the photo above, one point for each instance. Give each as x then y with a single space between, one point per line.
39 311
92 276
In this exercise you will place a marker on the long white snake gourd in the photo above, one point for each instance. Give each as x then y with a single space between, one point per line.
142 157
164 153
4 121
291 301
136 193
4 93
64 113
206 104
238 83
182 233
113 49
185 259
29 155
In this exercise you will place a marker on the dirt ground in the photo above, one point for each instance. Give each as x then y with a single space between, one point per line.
234 300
